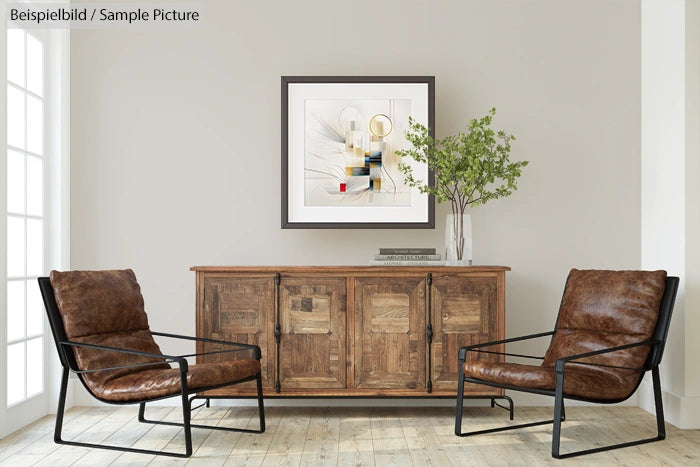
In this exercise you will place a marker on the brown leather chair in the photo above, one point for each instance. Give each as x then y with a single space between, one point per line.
611 329
101 333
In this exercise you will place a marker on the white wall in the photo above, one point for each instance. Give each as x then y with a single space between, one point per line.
670 193
175 140
663 158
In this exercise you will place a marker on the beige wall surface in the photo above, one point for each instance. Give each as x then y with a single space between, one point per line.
175 137
690 411
692 214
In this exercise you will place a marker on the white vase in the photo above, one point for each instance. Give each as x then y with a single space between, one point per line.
458 240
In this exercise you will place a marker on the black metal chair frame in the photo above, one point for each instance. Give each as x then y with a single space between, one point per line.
657 343
64 348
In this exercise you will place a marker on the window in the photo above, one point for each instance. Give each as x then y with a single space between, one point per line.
25 216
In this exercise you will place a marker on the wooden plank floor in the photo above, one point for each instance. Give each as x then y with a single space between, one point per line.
354 436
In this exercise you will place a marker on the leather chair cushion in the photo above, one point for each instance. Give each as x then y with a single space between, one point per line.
513 374
582 381
149 384
624 302
105 308
94 359
98 302
599 309
604 309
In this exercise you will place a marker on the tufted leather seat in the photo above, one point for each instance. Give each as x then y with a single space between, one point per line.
599 310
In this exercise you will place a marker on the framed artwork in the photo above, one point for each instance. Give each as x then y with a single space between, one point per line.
339 141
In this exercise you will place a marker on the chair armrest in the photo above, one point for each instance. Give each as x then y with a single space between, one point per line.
559 364
463 351
253 347
180 360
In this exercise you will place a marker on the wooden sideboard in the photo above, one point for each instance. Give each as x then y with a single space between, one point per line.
353 330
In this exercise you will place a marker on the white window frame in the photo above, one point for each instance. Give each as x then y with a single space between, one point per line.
56 214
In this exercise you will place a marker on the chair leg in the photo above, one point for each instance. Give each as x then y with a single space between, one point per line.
563 410
460 406
59 426
458 415
187 408
460 400
658 401
660 424
142 412
186 419
510 404
558 413
261 405
186 424
61 408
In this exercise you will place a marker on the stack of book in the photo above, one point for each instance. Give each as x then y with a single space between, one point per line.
407 257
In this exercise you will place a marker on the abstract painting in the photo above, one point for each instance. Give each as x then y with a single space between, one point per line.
339 142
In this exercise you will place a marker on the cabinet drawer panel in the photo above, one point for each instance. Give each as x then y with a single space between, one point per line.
390 329
238 309
464 312
313 333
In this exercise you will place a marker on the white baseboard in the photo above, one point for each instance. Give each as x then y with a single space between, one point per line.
682 412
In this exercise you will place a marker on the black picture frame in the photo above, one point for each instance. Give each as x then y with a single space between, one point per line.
411 95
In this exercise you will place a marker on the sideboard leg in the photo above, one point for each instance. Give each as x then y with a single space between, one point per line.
509 407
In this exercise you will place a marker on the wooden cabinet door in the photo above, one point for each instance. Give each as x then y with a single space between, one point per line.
464 312
238 309
390 330
312 341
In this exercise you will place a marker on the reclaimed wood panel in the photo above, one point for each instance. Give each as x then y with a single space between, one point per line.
312 324
390 325
464 312
238 309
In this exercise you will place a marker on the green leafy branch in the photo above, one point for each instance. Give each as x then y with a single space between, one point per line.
469 168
